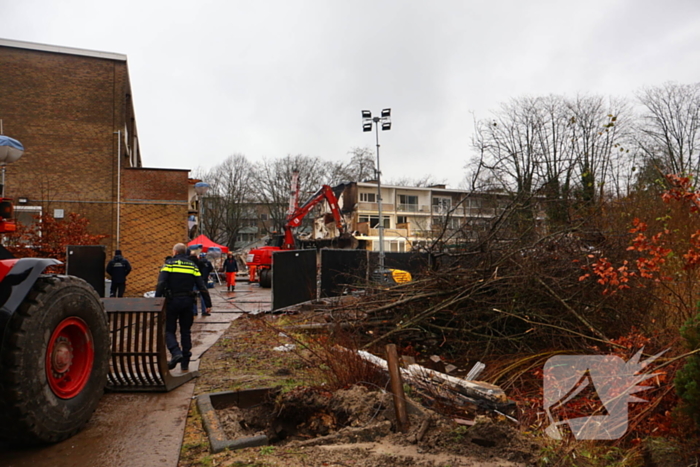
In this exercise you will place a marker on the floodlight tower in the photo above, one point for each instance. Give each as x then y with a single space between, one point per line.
385 120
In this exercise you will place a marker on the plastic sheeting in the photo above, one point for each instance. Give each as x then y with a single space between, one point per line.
10 149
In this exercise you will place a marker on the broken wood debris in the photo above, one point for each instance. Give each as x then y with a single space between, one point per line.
479 393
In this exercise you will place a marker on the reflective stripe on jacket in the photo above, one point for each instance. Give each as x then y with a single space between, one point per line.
180 275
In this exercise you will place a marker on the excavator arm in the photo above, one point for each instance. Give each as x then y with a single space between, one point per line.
294 220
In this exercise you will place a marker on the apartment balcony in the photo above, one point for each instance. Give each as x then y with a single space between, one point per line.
425 234
481 212
417 208
374 207
390 233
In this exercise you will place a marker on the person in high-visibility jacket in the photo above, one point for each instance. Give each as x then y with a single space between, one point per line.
230 267
176 282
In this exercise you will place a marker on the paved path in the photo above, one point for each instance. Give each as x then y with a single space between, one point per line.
142 429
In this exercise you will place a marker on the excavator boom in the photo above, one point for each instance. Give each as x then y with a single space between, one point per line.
324 193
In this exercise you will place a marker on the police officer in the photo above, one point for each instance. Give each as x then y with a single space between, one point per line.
118 268
176 282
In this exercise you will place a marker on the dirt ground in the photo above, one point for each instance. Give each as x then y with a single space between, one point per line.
309 425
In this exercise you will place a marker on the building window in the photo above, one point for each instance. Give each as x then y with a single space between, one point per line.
263 217
450 223
397 247
402 219
368 197
408 203
408 199
374 221
474 203
27 215
442 205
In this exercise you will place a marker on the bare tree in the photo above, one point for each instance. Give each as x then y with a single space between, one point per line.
598 133
360 167
425 181
273 180
548 146
224 206
508 145
670 127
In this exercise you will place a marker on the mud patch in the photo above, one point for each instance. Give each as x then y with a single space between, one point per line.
307 413
311 417
243 423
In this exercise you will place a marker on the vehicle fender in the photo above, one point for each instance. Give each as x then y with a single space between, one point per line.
17 277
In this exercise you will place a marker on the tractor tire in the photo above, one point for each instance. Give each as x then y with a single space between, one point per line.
53 362
266 278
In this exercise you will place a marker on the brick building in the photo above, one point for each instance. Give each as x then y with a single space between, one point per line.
73 111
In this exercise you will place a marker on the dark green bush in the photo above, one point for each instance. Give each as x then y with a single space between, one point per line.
687 382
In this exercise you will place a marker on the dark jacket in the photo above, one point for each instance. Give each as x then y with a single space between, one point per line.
178 278
230 265
118 268
205 268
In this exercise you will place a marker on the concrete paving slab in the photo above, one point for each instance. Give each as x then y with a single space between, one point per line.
144 429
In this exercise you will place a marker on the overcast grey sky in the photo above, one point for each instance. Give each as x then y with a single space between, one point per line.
268 78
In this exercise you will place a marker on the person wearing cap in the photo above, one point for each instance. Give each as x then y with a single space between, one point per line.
177 281
118 268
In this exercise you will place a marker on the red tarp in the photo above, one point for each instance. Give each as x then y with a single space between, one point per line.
206 244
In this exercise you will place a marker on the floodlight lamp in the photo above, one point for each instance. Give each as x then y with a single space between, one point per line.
386 123
366 114
367 125
386 113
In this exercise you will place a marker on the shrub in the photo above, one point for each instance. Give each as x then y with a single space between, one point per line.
687 382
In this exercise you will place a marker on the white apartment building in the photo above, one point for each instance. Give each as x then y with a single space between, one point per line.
415 216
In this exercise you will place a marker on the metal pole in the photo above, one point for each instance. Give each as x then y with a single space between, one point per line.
119 182
199 219
379 204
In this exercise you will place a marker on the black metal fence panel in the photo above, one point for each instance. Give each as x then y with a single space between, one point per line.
88 263
342 268
293 277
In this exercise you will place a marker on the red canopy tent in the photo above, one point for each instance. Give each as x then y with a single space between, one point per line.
207 243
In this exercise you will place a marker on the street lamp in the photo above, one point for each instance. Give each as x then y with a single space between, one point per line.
385 120
201 189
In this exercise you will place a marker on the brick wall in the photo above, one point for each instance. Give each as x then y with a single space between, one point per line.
66 108
153 213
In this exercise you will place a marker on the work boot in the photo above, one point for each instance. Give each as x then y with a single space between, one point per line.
185 365
176 358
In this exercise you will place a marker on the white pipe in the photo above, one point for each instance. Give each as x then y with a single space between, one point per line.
119 182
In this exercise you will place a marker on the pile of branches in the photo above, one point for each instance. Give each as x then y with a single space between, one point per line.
505 300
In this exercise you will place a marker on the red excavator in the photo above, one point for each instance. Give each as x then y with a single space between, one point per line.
259 260
54 342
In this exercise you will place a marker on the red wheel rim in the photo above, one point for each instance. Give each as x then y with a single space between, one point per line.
69 357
